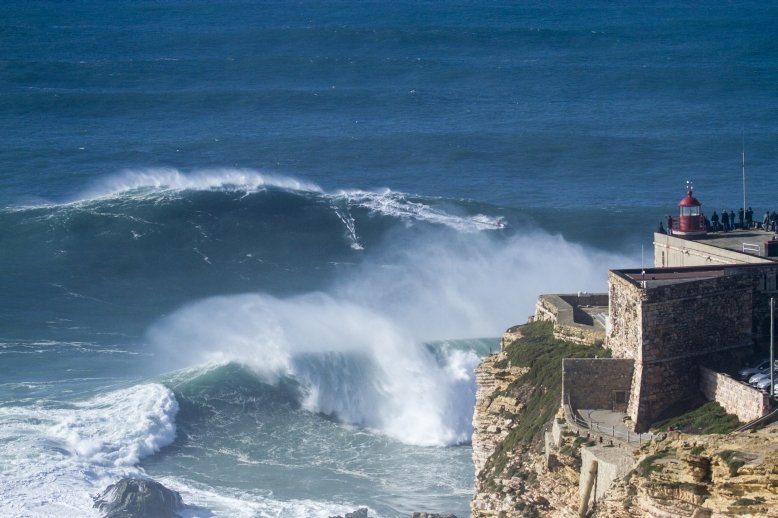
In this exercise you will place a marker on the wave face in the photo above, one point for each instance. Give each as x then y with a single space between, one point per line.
350 362
309 335
135 242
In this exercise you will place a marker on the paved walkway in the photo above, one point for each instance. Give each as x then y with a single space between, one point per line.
609 424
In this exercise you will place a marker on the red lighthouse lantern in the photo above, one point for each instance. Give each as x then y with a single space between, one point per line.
690 221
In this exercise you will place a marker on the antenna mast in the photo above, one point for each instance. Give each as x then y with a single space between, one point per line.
745 206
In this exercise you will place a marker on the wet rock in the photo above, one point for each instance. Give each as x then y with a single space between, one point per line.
359 513
134 498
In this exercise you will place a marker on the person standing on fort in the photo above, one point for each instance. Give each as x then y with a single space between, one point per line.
732 219
725 220
749 217
741 218
714 221
766 220
669 225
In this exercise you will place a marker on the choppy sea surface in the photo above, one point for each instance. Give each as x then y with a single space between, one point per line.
254 250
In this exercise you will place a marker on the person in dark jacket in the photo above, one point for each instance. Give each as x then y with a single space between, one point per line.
749 217
725 220
714 221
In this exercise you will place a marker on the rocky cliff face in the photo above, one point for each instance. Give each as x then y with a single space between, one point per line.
695 476
523 486
700 476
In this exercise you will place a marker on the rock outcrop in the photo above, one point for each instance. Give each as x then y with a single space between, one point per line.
698 476
676 475
359 513
517 490
136 498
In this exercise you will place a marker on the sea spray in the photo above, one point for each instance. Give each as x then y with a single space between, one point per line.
359 350
158 180
351 362
443 284
74 449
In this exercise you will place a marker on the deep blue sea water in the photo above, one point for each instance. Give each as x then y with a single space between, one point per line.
253 250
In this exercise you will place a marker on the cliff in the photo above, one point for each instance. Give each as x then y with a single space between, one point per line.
515 489
700 476
677 475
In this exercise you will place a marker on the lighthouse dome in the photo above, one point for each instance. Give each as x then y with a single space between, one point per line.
689 201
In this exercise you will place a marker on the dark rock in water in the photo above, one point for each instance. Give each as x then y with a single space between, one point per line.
133 498
359 513
433 515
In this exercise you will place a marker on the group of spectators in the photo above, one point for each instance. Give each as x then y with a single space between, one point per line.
726 221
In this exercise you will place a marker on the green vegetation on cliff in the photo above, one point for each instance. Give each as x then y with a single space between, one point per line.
541 385
705 419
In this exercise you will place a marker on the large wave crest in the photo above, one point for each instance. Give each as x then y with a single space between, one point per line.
359 350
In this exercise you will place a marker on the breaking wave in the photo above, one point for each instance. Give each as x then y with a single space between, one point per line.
360 349
70 451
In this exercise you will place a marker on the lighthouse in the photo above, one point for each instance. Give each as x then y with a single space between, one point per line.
690 220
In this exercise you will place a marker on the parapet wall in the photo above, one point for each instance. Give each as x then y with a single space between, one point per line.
746 402
671 329
672 251
571 323
601 383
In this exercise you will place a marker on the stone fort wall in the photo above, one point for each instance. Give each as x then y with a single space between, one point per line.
746 402
672 329
597 382
571 323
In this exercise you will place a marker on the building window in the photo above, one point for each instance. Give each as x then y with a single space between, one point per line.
619 397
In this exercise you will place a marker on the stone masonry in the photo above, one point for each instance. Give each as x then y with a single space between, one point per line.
746 402
571 322
602 383
670 326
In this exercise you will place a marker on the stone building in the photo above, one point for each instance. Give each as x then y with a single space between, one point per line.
672 321
698 314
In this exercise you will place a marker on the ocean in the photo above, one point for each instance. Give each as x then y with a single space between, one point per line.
254 250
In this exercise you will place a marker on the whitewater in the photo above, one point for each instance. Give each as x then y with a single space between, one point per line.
379 357
253 251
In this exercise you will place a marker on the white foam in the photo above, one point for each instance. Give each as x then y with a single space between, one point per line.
55 457
157 180
352 361
359 349
399 205
233 503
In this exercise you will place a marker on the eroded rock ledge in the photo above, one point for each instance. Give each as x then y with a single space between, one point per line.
676 475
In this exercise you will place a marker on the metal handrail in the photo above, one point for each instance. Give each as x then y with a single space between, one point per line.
752 247
767 418
609 431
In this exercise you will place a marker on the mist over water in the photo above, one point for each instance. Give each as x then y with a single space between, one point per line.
359 348
254 250
393 299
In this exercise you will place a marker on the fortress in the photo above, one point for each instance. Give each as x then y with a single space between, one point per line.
674 330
